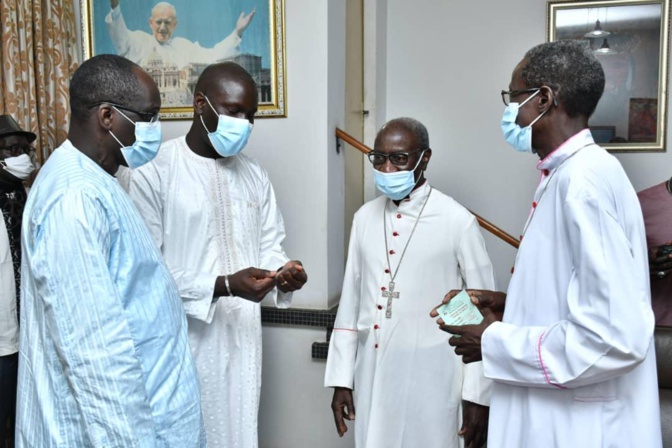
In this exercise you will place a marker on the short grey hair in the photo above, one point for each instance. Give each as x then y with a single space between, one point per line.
164 5
418 129
571 70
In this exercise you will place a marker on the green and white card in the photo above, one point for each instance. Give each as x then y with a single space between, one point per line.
460 311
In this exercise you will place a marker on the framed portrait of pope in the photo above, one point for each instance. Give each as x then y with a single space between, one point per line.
175 40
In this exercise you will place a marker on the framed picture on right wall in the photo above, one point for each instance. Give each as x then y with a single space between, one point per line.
630 38
642 120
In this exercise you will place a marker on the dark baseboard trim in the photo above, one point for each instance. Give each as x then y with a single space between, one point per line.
303 317
320 350
298 316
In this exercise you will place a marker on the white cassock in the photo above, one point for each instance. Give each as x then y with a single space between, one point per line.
573 361
210 218
408 383
139 46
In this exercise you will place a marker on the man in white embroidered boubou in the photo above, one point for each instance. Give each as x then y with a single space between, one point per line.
213 213
406 247
572 358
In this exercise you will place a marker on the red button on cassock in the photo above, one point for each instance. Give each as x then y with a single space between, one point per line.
387 271
375 346
512 269
395 233
545 172
392 252
534 205
398 215
380 307
382 288
375 327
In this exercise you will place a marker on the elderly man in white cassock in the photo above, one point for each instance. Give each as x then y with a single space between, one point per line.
572 359
406 248
212 211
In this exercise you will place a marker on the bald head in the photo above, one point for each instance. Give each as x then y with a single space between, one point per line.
217 77
405 125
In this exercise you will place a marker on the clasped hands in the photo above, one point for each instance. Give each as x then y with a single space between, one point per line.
253 284
467 338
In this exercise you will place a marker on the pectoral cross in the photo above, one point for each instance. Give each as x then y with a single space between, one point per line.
390 294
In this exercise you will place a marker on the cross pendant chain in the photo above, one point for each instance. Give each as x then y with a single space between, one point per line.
389 295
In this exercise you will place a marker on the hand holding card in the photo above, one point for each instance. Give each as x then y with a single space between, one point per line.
460 311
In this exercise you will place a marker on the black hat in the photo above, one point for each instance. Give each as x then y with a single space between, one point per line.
9 126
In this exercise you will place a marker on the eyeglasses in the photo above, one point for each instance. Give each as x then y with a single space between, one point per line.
16 150
396 158
507 95
150 117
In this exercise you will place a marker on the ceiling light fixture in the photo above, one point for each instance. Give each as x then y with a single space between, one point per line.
605 48
597 31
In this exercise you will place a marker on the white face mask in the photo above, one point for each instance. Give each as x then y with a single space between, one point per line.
20 166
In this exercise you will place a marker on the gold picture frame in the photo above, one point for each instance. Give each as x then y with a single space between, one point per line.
631 40
260 47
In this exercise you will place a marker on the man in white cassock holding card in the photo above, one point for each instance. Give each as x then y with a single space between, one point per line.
572 357
406 247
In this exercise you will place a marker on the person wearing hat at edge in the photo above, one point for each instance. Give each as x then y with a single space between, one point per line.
15 166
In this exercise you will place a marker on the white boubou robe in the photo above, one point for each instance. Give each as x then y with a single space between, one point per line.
573 361
210 218
408 383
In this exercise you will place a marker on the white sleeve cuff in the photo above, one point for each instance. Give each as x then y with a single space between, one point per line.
340 371
200 304
476 388
116 12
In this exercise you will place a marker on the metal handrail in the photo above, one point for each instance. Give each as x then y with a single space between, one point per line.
487 225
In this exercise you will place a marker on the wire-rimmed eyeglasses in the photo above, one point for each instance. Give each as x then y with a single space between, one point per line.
396 158
508 94
150 117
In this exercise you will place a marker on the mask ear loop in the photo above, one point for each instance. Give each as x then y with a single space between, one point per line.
422 154
203 123
201 115
110 130
125 116
555 102
422 172
529 98
210 104
115 137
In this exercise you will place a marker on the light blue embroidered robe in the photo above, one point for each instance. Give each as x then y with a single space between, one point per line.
104 358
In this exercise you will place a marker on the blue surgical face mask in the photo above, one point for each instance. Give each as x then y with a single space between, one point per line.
397 184
519 138
231 134
146 145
